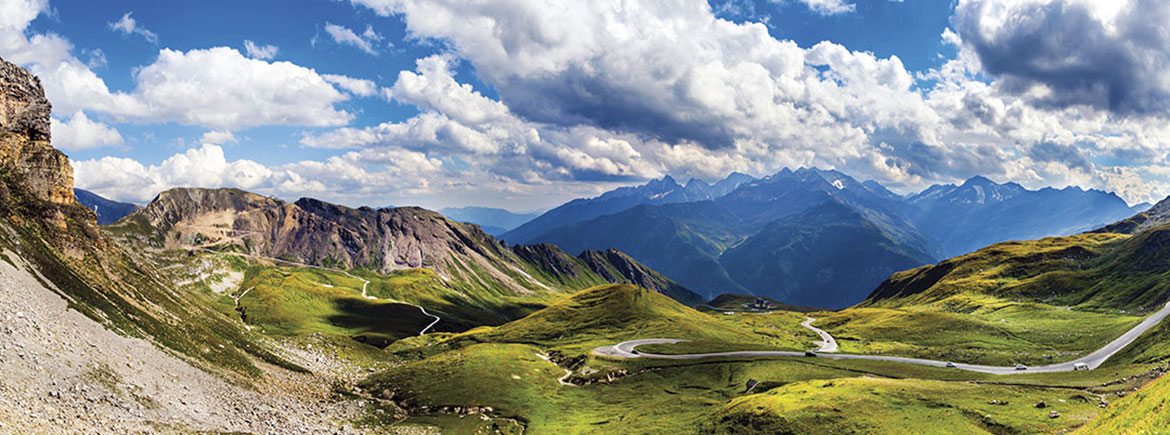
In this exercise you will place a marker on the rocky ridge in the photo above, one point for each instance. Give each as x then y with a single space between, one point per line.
315 232
319 233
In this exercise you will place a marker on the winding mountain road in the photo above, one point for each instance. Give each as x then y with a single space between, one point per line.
828 343
628 349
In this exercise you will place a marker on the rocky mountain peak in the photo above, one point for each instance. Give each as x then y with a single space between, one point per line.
662 185
1162 208
24 145
695 183
980 190
978 180
179 204
24 110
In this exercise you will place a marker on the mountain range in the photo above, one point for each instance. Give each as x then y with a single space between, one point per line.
980 212
656 192
1118 266
809 236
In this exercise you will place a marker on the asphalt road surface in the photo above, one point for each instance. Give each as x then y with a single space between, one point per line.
828 343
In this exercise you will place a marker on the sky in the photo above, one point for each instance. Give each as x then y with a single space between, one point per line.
524 104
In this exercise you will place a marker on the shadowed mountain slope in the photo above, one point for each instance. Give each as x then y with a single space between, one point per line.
107 211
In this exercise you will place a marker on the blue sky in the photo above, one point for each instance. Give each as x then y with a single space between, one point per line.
525 104
196 25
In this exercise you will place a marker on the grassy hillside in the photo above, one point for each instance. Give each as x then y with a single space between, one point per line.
1032 301
505 369
976 330
1099 271
889 406
1145 411
607 314
302 302
297 300
294 300
518 385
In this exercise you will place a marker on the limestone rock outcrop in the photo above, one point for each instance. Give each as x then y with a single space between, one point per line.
26 155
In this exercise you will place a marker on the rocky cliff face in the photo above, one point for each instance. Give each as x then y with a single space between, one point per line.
319 233
36 180
25 152
89 318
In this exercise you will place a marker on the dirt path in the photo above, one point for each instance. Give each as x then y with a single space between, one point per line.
562 379
365 283
237 299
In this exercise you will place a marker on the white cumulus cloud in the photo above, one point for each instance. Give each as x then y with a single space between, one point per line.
222 89
829 7
689 92
218 137
78 132
218 87
360 176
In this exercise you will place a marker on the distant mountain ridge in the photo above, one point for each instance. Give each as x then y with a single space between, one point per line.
981 212
1153 216
810 236
107 211
656 192
830 246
